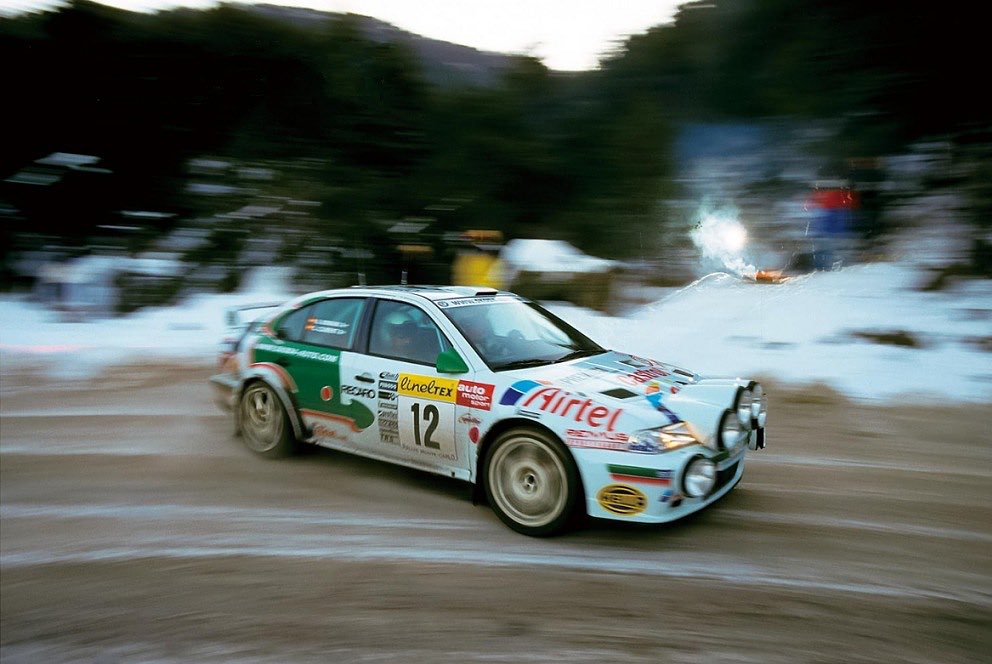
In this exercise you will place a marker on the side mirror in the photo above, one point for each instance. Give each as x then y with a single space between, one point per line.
450 362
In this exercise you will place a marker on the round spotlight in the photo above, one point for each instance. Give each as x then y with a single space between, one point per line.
699 478
742 405
759 405
762 416
757 394
731 433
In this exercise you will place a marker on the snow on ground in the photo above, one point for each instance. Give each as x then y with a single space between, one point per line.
799 332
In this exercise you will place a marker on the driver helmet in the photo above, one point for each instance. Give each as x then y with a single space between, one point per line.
398 328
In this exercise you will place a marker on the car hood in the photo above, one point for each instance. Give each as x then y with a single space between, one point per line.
650 393
618 376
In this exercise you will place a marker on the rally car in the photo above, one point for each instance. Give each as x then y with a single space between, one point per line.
491 388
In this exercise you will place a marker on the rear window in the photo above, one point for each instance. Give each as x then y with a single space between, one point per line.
331 323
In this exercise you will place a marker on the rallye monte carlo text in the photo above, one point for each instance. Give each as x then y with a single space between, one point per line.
488 387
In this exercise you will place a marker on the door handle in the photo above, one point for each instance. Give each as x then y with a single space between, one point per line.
365 378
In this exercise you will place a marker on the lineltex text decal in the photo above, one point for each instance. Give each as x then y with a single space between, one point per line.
426 387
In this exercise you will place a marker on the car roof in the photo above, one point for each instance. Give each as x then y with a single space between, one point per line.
429 292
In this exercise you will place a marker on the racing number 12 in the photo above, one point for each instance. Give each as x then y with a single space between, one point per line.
431 417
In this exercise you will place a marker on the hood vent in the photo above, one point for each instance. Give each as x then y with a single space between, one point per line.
619 393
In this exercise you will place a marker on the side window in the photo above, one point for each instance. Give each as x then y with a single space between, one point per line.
291 326
404 332
333 322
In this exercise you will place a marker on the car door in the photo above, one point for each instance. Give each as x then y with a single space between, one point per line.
310 346
415 405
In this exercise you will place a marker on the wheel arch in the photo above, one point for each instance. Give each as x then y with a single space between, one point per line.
299 431
478 493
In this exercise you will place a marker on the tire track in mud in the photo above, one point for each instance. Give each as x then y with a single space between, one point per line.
216 531
833 547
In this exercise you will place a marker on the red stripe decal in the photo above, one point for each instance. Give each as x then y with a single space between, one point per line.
617 477
287 380
330 416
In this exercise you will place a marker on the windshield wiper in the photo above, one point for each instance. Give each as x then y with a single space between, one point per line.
574 355
522 364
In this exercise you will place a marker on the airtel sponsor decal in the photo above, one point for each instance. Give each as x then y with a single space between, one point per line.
475 395
563 403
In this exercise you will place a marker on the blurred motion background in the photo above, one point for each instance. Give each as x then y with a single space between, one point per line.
156 168
150 156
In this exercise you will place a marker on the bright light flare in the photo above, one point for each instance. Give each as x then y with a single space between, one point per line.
718 236
723 238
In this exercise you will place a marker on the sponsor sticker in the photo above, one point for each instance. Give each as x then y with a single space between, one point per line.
468 301
475 395
584 375
598 440
565 404
326 326
356 391
636 474
297 352
426 387
469 419
622 499
323 431
641 376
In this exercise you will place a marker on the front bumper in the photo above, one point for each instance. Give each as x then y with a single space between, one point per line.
649 488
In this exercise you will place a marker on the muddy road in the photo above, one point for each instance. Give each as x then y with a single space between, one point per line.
135 528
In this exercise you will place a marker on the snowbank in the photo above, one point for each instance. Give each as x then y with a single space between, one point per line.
816 328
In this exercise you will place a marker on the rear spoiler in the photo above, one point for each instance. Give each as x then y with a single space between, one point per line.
239 318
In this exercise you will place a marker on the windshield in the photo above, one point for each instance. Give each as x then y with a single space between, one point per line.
513 334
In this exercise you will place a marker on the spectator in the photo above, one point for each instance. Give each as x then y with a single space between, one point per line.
832 206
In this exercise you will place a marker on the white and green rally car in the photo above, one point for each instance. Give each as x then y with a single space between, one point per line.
488 387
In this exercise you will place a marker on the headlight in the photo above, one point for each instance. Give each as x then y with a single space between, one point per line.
665 439
731 433
759 406
699 478
742 405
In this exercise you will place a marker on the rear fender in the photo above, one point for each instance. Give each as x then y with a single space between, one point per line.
284 387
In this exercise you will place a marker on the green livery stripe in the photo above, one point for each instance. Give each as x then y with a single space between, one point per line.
633 471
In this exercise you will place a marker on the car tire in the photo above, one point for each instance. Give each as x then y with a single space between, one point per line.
264 424
531 482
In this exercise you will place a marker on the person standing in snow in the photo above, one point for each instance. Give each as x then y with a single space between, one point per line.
832 206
